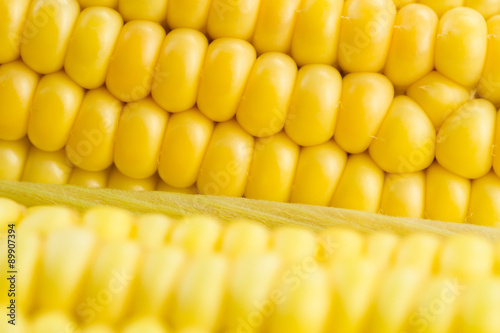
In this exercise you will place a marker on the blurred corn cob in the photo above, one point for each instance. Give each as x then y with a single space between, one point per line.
110 271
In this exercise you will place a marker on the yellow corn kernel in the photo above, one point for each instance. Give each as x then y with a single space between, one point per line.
90 144
200 294
157 280
419 251
411 54
162 186
466 257
438 96
488 87
406 139
360 186
144 324
496 146
319 169
484 206
285 242
365 99
464 144
461 46
307 304
266 99
381 247
153 229
442 6
131 69
225 167
401 3
272 169
439 293
251 295
194 329
339 245
47 167
404 195
480 307
13 158
77 245
316 33
185 142
355 285
111 283
11 213
91 46
314 105
226 70
138 138
274 28
52 321
191 14
119 181
197 234
487 8
13 14
47 32
233 18
397 295
91 179
53 111
110 223
101 3
98 328
46 219
244 237
365 35
149 10
17 88
178 70
446 195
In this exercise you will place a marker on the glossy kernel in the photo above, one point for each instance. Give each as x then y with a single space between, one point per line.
47 32
266 99
365 100
17 88
225 167
91 46
225 71
139 137
314 106
461 46
130 73
178 70
53 111
272 169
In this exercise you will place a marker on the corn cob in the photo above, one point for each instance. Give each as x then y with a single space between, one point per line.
151 272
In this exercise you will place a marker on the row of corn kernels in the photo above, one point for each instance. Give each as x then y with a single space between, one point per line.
22 162
319 175
110 270
359 111
369 36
